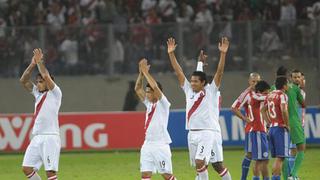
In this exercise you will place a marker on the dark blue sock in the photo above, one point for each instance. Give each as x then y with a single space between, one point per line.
255 178
245 168
275 177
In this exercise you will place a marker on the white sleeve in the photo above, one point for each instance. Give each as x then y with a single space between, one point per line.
245 101
164 101
258 97
213 87
56 91
146 102
186 86
35 91
283 99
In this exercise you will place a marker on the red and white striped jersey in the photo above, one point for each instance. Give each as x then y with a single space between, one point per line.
274 101
256 103
242 102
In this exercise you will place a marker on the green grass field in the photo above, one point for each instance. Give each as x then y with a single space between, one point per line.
125 166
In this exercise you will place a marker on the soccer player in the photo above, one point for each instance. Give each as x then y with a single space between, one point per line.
297 132
45 145
155 152
259 137
202 114
276 111
297 146
243 101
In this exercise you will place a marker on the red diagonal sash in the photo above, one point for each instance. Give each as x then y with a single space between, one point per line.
150 115
195 105
39 105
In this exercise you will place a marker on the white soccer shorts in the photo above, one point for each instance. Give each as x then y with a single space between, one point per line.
43 149
200 145
156 158
217 150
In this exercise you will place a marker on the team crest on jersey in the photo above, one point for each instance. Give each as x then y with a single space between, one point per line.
265 154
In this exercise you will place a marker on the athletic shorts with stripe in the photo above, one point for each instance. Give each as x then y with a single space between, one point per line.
155 158
279 142
217 149
43 149
259 145
200 144
248 143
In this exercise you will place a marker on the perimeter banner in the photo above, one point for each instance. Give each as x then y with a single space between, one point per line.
125 130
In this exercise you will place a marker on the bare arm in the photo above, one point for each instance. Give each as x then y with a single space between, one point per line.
177 68
223 47
285 114
265 115
145 70
42 69
238 113
25 79
139 87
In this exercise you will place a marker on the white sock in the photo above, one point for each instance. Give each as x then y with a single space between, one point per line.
203 173
225 175
34 176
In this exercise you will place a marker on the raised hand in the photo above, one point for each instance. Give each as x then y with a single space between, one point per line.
224 45
37 56
203 58
143 65
171 43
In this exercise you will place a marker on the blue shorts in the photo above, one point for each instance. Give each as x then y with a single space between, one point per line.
248 143
279 142
259 146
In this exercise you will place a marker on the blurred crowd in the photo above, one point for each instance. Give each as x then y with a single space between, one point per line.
90 36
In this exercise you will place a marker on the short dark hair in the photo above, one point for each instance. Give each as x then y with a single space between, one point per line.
202 76
282 71
39 75
295 71
158 84
262 86
280 82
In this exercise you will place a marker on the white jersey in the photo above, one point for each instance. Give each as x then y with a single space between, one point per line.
156 121
202 111
47 107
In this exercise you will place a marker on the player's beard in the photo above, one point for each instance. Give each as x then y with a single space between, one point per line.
45 90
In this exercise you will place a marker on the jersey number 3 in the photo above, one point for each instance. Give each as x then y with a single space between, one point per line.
271 109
